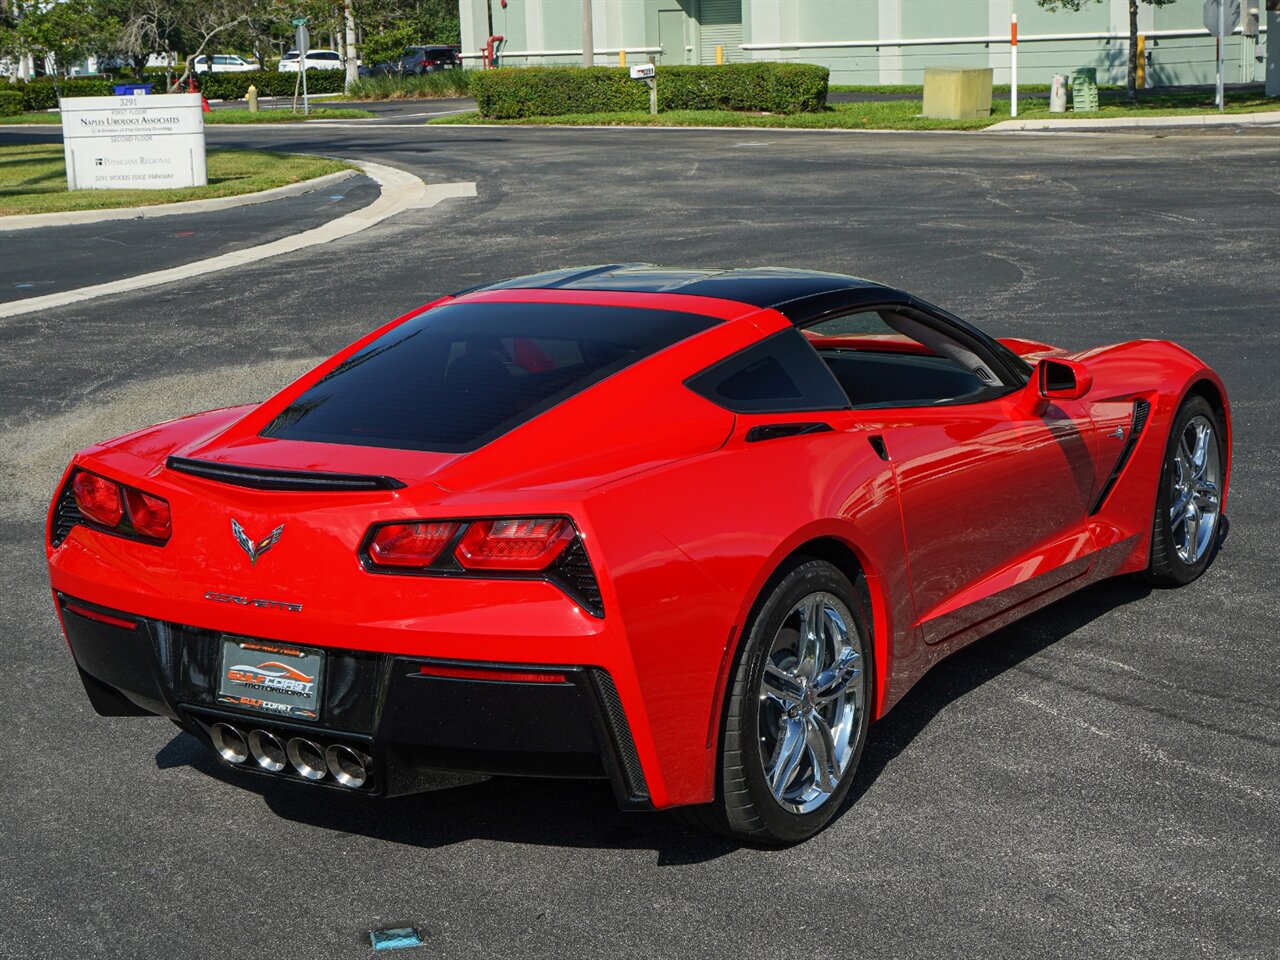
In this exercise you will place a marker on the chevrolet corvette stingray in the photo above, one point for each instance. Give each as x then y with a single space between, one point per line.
688 530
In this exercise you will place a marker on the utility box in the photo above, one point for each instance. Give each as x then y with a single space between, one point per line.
1084 90
957 93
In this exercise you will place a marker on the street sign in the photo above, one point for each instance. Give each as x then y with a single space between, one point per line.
302 42
1219 20
300 21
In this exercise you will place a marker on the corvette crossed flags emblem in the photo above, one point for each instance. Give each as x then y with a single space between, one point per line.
255 550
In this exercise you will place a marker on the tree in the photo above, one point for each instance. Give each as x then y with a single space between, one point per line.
69 30
1076 5
155 26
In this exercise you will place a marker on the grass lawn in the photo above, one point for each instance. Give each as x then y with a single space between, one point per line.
33 179
230 116
893 114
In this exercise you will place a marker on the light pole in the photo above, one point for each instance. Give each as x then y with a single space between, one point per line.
588 36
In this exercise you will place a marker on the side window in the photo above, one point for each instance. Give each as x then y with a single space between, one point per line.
889 358
781 374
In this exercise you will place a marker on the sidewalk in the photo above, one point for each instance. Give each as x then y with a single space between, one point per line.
1068 122
113 249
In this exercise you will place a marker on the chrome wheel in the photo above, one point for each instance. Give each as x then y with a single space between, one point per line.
1195 478
811 697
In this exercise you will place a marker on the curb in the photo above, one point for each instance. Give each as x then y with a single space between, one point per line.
29 221
1103 123
400 191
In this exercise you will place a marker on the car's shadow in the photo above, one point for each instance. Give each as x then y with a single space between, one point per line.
581 813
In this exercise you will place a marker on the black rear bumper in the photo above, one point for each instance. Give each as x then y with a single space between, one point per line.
411 723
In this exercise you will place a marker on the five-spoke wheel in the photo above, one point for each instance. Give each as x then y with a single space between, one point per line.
811 696
797 708
1189 501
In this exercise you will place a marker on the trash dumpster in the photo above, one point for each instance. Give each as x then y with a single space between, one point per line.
1084 90
131 89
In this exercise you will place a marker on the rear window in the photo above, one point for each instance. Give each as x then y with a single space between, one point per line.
461 375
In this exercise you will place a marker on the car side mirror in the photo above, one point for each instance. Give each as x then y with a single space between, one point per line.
1063 379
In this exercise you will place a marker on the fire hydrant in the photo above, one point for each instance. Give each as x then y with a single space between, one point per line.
252 96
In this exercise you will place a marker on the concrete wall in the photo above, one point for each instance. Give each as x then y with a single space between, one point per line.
544 30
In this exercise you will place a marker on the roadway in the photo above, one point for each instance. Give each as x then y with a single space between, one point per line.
1100 779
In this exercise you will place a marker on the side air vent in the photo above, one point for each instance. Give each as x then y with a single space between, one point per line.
264 478
1141 410
65 515
776 431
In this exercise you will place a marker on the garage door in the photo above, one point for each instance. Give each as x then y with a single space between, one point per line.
721 27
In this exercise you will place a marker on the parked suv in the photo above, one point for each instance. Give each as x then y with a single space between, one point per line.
224 63
420 60
316 60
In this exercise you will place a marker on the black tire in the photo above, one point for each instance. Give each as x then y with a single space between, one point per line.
1167 568
745 807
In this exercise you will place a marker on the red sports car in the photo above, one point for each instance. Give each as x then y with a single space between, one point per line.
689 530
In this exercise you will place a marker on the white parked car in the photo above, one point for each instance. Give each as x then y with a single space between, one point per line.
316 60
224 63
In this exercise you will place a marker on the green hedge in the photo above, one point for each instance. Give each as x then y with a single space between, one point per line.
512 92
232 86
10 103
41 94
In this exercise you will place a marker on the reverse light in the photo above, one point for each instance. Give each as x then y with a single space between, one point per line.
410 544
514 543
99 499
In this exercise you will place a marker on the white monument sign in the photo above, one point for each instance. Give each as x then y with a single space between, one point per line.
129 143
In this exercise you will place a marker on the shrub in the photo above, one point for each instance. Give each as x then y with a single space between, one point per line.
10 103
443 83
233 86
512 92
42 93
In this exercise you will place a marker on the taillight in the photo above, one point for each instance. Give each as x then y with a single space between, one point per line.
121 509
98 498
410 544
149 515
514 543
519 548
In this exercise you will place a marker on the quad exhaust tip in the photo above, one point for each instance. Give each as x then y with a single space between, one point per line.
269 750
229 742
307 758
349 767
310 760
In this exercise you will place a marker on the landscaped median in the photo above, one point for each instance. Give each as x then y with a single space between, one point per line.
579 101
33 180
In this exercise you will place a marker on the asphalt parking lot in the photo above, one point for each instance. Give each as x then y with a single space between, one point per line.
1099 780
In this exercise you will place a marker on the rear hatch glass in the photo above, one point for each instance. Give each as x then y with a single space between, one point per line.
461 375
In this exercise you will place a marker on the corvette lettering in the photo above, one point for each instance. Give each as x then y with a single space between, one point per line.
253 602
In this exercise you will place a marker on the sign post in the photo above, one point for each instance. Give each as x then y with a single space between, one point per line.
131 143
649 74
1013 66
302 40
1221 21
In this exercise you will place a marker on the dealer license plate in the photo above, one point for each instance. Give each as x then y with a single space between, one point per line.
276 678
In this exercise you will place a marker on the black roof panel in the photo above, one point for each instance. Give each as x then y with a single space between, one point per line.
758 286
